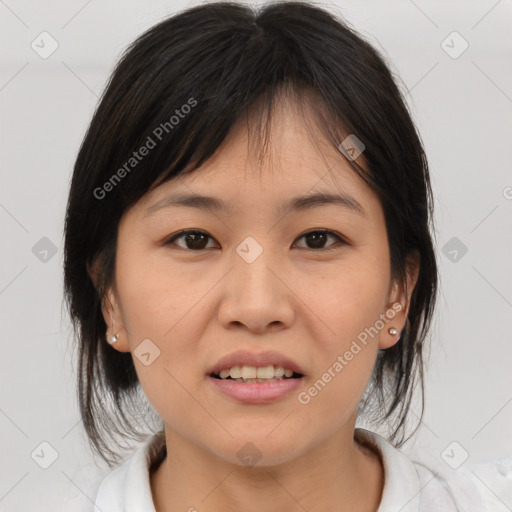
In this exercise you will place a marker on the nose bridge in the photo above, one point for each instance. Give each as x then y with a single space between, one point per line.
255 296
252 261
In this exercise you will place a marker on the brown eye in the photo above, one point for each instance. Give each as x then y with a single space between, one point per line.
196 240
318 238
193 239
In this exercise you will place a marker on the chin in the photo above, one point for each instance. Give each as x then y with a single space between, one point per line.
257 449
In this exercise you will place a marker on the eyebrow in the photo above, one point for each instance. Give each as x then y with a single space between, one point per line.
299 203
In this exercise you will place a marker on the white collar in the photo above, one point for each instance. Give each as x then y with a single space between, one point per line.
402 489
128 489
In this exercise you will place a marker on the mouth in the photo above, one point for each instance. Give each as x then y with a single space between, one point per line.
256 385
256 377
244 373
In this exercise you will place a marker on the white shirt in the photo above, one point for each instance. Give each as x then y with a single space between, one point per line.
409 486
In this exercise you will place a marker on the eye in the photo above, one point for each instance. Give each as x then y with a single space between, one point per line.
318 238
196 240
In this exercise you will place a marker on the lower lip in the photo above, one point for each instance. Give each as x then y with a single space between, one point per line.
256 392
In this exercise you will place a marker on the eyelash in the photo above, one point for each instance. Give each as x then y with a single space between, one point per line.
335 235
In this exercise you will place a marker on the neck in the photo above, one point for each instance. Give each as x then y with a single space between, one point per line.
341 474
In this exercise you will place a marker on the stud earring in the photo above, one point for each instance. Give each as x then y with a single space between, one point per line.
113 339
392 331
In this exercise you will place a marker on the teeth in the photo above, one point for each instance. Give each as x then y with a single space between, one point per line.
235 372
251 372
265 372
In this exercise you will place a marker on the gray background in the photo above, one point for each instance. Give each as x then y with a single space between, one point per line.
463 108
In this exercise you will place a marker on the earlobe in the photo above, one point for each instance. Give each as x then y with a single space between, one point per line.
115 334
107 309
398 306
390 334
109 317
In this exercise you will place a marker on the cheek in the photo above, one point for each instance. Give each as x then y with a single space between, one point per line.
345 299
344 368
154 295
158 305
333 398
347 305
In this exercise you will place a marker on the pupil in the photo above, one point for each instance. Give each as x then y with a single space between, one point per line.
195 237
317 237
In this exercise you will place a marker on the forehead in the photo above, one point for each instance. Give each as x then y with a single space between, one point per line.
227 190
298 162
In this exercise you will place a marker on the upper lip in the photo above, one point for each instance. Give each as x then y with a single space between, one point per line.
250 358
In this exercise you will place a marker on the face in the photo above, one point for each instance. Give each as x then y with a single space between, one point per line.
311 283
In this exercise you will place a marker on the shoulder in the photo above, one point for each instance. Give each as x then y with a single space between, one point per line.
475 487
425 482
130 482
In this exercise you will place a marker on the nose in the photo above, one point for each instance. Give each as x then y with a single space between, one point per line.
257 296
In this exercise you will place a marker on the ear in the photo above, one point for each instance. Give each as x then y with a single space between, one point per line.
92 270
111 313
398 304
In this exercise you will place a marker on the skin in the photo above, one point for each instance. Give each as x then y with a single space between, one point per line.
299 298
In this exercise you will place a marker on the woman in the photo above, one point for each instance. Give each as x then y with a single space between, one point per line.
248 243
